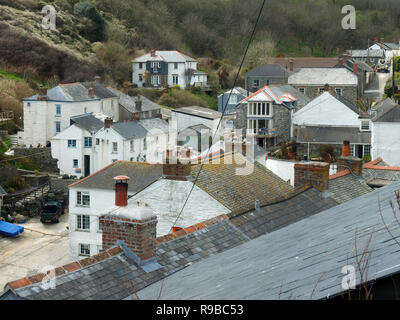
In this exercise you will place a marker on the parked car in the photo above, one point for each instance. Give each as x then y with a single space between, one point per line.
51 212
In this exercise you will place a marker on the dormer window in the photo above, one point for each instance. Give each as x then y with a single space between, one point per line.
233 99
365 125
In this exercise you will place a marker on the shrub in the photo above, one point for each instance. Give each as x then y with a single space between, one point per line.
94 25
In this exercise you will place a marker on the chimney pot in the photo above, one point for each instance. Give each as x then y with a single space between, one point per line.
291 65
153 52
121 191
355 68
138 103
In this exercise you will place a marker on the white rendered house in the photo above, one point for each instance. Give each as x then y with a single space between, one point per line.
49 112
161 68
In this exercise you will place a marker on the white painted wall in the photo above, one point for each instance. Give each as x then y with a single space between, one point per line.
40 117
326 110
65 155
283 169
385 142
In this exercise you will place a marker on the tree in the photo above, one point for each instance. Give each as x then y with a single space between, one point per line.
92 23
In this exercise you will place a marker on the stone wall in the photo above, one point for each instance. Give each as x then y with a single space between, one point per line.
61 185
41 157
350 93
315 174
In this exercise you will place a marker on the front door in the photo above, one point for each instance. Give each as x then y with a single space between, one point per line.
87 166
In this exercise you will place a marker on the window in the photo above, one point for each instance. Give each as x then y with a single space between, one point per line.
339 91
28 104
140 77
83 199
82 222
321 90
144 144
71 143
97 141
140 65
365 125
88 142
176 65
132 145
174 79
115 146
268 82
75 163
233 99
58 110
256 83
259 109
99 249
84 249
367 150
302 90
58 126
156 65
85 110
155 80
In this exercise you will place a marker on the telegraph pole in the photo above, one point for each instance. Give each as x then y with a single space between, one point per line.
393 73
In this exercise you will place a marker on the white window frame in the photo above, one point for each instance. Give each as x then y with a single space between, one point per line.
233 99
175 79
58 110
339 91
132 145
83 198
86 142
363 127
82 222
73 163
84 249
155 80
72 144
115 147
58 126
302 90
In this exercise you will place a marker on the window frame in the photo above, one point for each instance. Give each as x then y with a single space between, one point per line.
58 126
88 143
73 163
58 110
80 199
115 147
82 222
86 250
71 145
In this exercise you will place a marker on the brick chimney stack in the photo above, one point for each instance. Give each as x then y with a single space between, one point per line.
121 191
108 123
291 65
97 79
136 116
91 91
313 173
355 68
177 168
153 52
136 226
138 104
42 94
251 65
346 161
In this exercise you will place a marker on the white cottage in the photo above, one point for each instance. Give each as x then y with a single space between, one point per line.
160 68
48 113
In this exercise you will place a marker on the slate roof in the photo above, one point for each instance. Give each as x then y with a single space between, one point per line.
284 89
374 53
130 129
199 112
301 261
322 76
386 111
141 174
333 135
345 186
236 90
167 56
155 125
87 122
129 102
230 181
274 94
268 70
307 62
193 130
112 275
73 92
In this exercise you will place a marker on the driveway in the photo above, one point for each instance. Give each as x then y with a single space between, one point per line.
377 86
39 246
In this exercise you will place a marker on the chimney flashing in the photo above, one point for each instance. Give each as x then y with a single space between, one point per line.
148 265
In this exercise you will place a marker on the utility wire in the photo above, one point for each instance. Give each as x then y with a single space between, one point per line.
223 111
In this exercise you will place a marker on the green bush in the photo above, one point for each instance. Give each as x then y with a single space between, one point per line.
94 29
367 158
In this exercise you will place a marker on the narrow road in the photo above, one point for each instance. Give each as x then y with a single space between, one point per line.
377 86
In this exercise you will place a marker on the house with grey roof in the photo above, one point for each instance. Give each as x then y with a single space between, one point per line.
229 100
327 121
267 113
265 75
162 68
313 81
130 105
385 131
73 146
48 113
373 55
